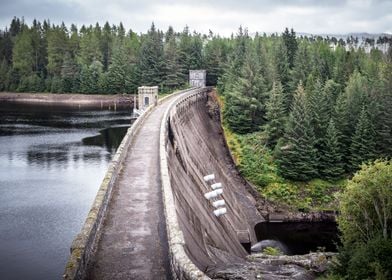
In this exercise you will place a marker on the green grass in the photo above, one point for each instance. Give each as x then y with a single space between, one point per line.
256 163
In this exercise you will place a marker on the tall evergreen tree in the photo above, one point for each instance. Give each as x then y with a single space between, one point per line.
297 155
151 58
69 70
90 78
301 67
245 110
90 48
362 145
357 97
215 57
57 46
275 115
281 62
380 110
23 53
331 165
118 77
172 67
290 40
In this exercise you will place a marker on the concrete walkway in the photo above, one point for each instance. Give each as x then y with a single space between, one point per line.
133 243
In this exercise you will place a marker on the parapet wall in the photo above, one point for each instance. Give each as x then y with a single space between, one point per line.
192 146
85 242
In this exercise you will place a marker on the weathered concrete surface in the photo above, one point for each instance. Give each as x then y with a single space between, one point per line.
196 148
133 241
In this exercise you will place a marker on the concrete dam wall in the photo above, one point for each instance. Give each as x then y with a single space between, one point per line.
195 146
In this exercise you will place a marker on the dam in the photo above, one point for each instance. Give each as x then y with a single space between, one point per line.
151 218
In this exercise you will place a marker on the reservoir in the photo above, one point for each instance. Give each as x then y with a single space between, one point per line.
52 162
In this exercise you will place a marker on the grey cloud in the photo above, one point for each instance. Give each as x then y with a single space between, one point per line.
344 15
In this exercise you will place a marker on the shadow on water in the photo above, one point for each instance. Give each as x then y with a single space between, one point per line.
110 138
297 238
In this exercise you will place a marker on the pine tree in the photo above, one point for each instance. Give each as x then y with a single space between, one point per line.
215 56
283 72
275 115
23 56
57 46
357 96
151 58
245 110
381 107
362 145
330 164
340 118
3 75
90 78
90 49
172 67
297 156
117 76
106 46
69 70
301 68
196 49
289 38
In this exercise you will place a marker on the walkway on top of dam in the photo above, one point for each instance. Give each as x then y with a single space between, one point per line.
133 243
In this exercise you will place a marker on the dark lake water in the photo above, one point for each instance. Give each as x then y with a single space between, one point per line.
52 161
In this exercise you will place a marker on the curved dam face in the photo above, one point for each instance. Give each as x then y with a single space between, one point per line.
196 147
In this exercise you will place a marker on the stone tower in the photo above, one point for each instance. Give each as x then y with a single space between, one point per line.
147 96
197 78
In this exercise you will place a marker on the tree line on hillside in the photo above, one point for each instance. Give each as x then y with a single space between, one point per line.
323 111
53 58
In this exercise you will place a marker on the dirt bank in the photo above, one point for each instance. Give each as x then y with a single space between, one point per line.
73 100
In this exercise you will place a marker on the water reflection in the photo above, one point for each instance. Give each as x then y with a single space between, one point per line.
110 138
52 161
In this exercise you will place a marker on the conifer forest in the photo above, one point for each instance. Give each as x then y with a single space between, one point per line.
303 115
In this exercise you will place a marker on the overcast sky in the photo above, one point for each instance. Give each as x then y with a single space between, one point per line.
221 16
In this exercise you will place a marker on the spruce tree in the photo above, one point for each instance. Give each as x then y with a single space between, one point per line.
172 69
3 75
151 58
301 68
362 145
215 56
382 112
280 60
117 76
22 55
330 164
341 121
57 46
245 110
90 78
297 156
275 115
90 48
289 38
357 90
69 70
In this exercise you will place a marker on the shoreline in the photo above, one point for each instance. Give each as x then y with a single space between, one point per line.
69 99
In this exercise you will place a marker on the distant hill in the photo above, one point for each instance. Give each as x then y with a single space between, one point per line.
353 34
